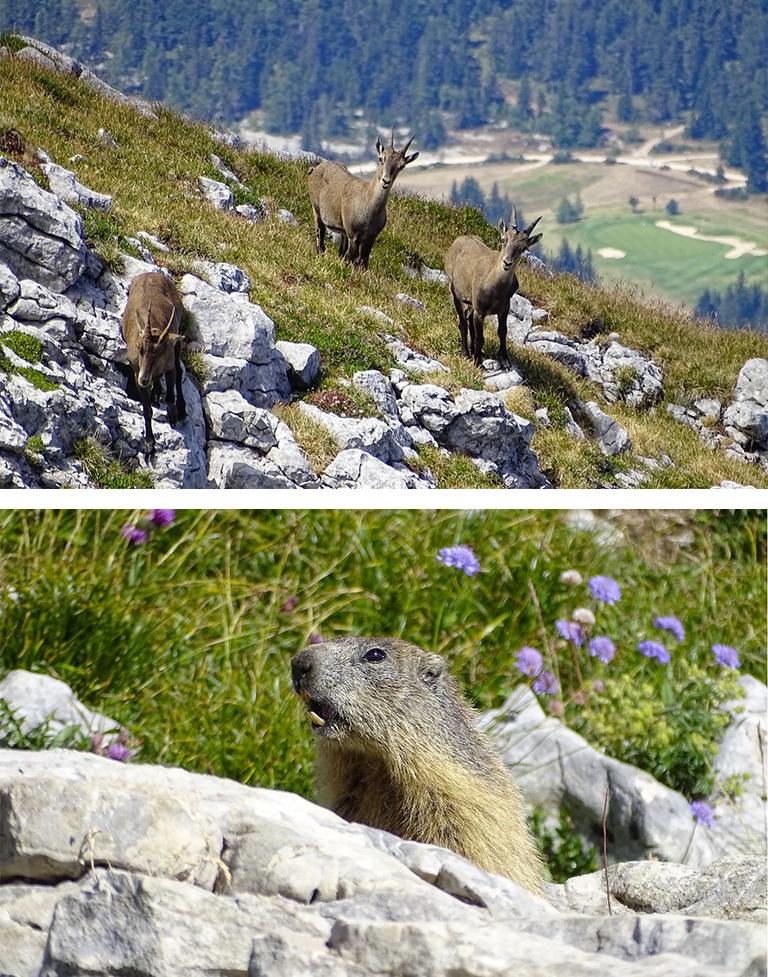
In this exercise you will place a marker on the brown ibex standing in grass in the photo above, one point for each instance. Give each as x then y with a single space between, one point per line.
483 282
352 207
151 330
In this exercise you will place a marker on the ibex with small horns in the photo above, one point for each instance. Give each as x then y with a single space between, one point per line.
483 282
151 330
352 207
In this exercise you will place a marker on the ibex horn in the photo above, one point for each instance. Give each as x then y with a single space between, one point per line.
531 227
392 138
164 333
407 146
514 217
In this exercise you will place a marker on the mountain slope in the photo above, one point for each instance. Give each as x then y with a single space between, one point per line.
153 179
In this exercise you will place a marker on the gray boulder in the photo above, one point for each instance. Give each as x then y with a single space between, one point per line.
611 436
9 286
41 237
556 767
216 193
355 468
752 382
283 466
224 276
303 363
42 701
65 184
409 359
367 434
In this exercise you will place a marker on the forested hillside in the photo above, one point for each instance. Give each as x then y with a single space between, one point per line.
554 67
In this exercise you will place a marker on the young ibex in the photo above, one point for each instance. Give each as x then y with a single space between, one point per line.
483 282
154 309
352 207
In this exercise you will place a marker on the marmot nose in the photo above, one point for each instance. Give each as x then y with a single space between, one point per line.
301 666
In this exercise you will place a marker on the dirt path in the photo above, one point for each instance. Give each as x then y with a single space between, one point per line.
738 247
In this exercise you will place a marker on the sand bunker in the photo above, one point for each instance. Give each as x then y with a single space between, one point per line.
738 248
611 253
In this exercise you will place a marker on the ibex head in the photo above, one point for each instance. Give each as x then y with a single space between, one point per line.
152 349
392 161
514 241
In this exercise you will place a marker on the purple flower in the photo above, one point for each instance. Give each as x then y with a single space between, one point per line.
162 517
117 751
529 661
671 624
290 604
653 649
598 686
546 684
571 631
315 638
702 813
603 648
605 589
726 655
460 557
133 534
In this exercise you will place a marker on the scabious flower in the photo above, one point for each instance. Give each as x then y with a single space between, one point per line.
118 751
603 648
290 604
134 534
671 624
579 698
726 656
315 638
546 684
460 557
571 631
162 517
653 649
598 686
571 578
583 615
702 813
529 661
605 589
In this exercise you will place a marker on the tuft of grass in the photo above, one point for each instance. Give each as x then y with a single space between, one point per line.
194 360
28 347
317 443
13 42
33 450
454 470
106 472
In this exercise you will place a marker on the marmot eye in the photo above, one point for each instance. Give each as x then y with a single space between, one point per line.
374 655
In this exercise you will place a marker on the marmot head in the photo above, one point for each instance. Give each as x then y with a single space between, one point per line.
368 690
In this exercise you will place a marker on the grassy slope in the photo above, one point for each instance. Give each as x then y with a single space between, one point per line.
153 180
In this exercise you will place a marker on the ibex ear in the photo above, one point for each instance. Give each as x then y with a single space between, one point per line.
379 146
533 241
432 667
502 226
411 158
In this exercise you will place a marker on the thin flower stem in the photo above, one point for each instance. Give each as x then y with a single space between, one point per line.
605 850
543 632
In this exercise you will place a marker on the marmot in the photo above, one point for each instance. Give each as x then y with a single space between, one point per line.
397 749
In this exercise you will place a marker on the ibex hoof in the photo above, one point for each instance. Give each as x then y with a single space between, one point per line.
149 449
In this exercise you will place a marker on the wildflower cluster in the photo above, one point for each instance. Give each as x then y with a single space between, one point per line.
138 533
460 557
117 750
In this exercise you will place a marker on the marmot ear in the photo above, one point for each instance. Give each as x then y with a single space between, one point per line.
432 667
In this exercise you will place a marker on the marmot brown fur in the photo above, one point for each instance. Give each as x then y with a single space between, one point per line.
397 749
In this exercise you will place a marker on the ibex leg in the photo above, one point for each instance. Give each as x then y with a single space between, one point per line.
503 354
149 438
